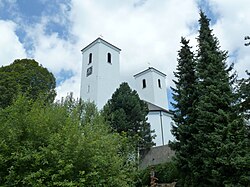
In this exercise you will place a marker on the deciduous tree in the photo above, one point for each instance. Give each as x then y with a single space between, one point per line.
26 76
49 145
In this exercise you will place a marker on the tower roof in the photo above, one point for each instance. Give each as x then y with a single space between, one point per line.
100 40
150 69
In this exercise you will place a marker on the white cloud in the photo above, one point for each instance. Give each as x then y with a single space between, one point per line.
10 46
147 31
232 26
70 85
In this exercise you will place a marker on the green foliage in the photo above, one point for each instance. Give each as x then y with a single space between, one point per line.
126 113
53 145
185 96
244 96
165 173
25 76
212 147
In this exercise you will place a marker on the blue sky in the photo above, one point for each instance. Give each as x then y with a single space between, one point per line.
54 31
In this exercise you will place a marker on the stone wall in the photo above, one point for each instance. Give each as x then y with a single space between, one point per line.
157 155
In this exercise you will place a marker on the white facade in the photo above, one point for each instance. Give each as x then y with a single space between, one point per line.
101 77
151 87
161 122
100 72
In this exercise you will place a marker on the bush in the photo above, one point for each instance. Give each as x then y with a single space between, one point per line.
165 173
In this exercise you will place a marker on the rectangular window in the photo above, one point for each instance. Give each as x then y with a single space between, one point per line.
144 83
159 83
90 58
109 58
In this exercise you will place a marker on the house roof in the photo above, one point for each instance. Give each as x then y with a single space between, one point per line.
150 69
100 40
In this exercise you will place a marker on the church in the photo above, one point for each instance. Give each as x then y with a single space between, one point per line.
100 77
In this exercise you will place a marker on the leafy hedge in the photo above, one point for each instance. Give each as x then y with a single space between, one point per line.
165 173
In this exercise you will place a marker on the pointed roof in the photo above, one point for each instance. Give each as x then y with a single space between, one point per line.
150 69
100 40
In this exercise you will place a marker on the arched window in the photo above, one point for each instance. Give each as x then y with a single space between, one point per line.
159 83
90 58
109 57
144 83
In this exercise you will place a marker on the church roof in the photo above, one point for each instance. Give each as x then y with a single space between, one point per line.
100 40
150 69
154 108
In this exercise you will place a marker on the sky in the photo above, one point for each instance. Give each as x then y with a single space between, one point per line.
148 31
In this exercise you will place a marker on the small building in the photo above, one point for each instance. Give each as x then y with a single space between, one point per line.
101 77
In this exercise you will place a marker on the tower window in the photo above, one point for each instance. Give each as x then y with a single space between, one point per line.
109 57
90 58
159 83
144 83
88 90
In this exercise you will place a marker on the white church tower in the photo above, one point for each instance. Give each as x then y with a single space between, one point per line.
100 72
151 87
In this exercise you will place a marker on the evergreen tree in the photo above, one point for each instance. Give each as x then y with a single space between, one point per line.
126 113
219 134
244 96
185 97
212 138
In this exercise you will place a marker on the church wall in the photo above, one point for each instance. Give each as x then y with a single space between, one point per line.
160 90
100 84
163 133
108 74
146 93
88 84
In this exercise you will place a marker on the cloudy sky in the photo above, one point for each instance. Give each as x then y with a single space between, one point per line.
148 31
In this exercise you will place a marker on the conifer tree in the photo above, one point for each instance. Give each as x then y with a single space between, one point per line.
219 134
244 96
126 113
212 138
185 97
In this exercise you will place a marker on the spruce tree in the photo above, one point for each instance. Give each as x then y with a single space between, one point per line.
219 132
212 138
185 96
244 96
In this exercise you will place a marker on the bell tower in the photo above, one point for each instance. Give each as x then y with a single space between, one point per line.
151 87
100 75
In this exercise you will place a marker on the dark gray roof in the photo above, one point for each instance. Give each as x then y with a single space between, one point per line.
154 108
